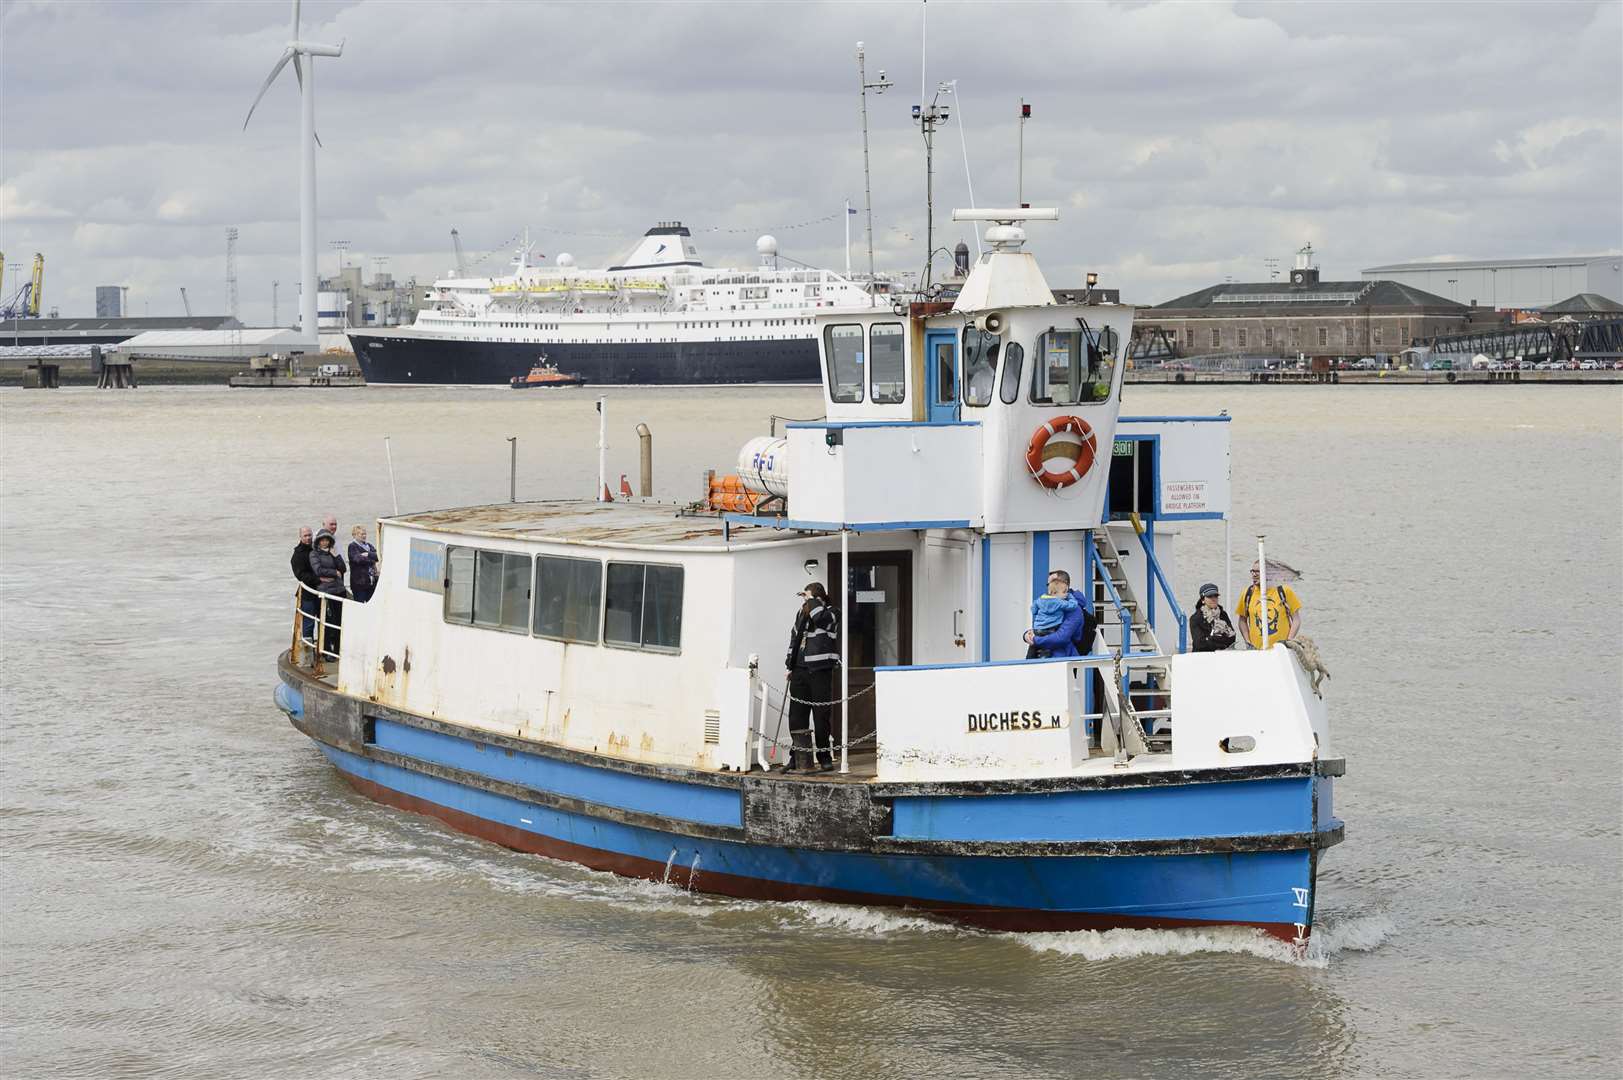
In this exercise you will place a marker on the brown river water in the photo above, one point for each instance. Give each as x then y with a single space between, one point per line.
187 889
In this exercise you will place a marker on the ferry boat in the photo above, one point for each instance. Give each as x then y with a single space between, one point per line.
599 681
545 375
658 316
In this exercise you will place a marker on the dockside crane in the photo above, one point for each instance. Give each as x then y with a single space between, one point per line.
461 260
25 302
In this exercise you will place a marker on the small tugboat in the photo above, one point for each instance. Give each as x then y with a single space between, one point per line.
546 376
598 681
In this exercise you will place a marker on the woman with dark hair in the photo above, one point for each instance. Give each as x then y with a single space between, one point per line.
814 650
1210 628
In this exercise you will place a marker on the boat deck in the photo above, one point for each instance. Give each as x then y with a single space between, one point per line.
863 763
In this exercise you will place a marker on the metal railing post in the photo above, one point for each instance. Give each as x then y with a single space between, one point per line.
845 654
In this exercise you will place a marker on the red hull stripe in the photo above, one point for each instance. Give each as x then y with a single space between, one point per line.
746 888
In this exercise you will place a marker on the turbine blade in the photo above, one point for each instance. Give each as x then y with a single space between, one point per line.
298 73
275 71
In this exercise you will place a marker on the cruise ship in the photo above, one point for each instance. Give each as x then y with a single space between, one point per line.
660 316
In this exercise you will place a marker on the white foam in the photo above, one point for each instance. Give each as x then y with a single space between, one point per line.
864 920
1331 936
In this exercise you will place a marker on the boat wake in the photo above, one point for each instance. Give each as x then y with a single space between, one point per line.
1331 937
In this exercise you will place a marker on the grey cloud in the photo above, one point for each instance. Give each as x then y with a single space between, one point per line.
1184 142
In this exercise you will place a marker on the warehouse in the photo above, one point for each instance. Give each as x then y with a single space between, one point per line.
1505 284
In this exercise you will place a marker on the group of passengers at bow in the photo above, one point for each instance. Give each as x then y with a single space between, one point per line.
317 565
1063 622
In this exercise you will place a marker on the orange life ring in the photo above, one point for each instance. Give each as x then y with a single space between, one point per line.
1039 442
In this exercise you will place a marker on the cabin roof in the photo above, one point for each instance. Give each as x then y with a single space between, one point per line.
591 523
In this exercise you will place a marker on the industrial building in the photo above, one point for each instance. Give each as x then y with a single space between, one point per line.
347 300
1302 316
109 301
1506 284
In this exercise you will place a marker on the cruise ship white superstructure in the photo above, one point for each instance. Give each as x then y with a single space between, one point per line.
660 316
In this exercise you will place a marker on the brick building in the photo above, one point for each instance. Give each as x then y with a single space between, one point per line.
1332 320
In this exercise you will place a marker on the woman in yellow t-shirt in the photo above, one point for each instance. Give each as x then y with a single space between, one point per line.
1284 615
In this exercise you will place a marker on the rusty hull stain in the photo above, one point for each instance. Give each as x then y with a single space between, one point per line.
388 665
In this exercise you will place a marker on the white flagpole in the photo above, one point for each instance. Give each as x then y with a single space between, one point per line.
848 238
1262 594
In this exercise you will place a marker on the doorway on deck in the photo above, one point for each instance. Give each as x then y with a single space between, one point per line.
941 376
878 609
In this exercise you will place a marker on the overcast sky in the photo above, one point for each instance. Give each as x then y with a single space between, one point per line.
1184 143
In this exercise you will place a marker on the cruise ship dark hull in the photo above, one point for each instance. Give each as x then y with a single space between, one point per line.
390 358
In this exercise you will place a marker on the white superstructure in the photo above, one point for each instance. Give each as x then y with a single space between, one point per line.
660 292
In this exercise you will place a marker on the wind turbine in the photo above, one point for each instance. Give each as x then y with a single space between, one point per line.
303 54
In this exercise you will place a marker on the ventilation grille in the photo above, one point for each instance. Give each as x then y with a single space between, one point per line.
712 727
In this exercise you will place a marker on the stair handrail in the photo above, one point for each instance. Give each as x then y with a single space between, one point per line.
1166 587
1121 610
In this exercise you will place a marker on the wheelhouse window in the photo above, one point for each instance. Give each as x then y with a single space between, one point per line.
568 598
644 607
842 345
1013 357
487 588
980 365
1073 367
888 364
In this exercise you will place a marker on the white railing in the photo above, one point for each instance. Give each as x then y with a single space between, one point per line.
317 620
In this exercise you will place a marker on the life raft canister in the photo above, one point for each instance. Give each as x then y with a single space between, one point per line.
1037 451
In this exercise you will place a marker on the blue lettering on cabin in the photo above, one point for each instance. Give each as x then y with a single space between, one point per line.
426 567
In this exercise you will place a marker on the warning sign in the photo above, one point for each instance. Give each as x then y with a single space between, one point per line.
1183 497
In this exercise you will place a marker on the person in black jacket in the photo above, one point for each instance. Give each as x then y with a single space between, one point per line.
302 573
328 567
814 651
1210 628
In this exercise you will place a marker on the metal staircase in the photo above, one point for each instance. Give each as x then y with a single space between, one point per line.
1125 630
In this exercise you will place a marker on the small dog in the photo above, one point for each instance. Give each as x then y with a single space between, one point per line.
1307 654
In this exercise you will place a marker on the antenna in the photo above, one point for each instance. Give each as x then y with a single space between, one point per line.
928 117
924 46
878 87
230 274
1020 154
276 314
963 144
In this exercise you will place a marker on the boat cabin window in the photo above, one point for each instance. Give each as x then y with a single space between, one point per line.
644 609
487 588
1072 368
842 344
1013 357
568 598
980 366
888 364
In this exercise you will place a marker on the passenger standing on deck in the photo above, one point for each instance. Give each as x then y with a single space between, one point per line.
331 525
1074 635
308 602
328 567
1283 608
814 651
1210 627
363 565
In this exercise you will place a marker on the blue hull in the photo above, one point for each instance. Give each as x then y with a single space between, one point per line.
1168 854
